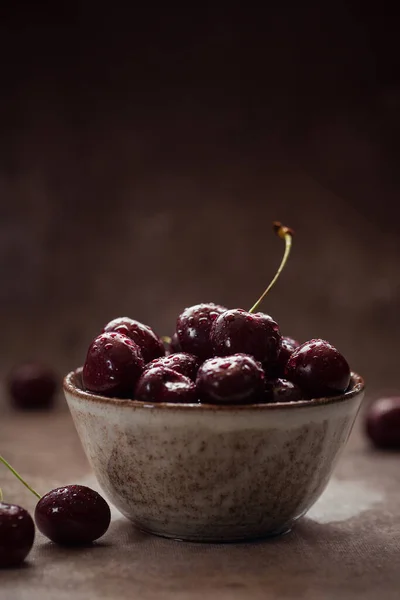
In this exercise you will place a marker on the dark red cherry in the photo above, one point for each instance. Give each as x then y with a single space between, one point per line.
383 423
17 533
32 385
174 345
236 379
113 366
149 343
238 331
319 369
161 384
193 328
282 390
73 515
288 346
182 362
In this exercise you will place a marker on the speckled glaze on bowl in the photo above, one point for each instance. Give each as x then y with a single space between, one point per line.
212 473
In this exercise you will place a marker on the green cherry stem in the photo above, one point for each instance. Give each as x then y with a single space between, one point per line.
1 495
286 234
18 476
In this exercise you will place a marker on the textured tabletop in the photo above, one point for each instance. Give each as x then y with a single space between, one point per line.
347 544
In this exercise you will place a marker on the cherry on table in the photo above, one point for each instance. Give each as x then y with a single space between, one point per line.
17 534
113 365
161 384
382 423
319 369
182 362
236 379
282 390
193 328
73 515
238 331
150 344
32 385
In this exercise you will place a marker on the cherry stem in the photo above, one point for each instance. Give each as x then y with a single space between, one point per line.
18 476
1 495
286 234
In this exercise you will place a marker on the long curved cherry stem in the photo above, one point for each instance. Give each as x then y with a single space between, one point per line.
286 234
18 476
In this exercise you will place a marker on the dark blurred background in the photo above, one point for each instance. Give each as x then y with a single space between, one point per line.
144 153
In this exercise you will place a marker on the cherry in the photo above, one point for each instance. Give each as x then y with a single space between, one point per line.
193 328
17 534
73 515
113 365
149 342
282 390
236 379
383 423
174 345
319 369
238 331
181 362
32 385
160 384
288 346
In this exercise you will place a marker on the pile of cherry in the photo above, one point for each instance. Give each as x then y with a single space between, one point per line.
216 356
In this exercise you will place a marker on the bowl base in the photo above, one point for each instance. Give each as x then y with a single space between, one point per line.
213 540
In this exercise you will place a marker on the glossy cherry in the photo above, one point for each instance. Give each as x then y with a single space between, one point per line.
182 362
73 515
150 344
17 534
238 331
161 384
32 385
113 366
193 328
319 369
383 423
282 390
236 379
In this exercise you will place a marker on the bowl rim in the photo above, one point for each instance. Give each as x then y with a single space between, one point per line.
70 386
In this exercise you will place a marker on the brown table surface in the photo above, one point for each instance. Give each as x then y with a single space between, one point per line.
348 544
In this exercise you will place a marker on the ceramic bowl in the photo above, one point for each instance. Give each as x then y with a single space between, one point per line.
212 473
